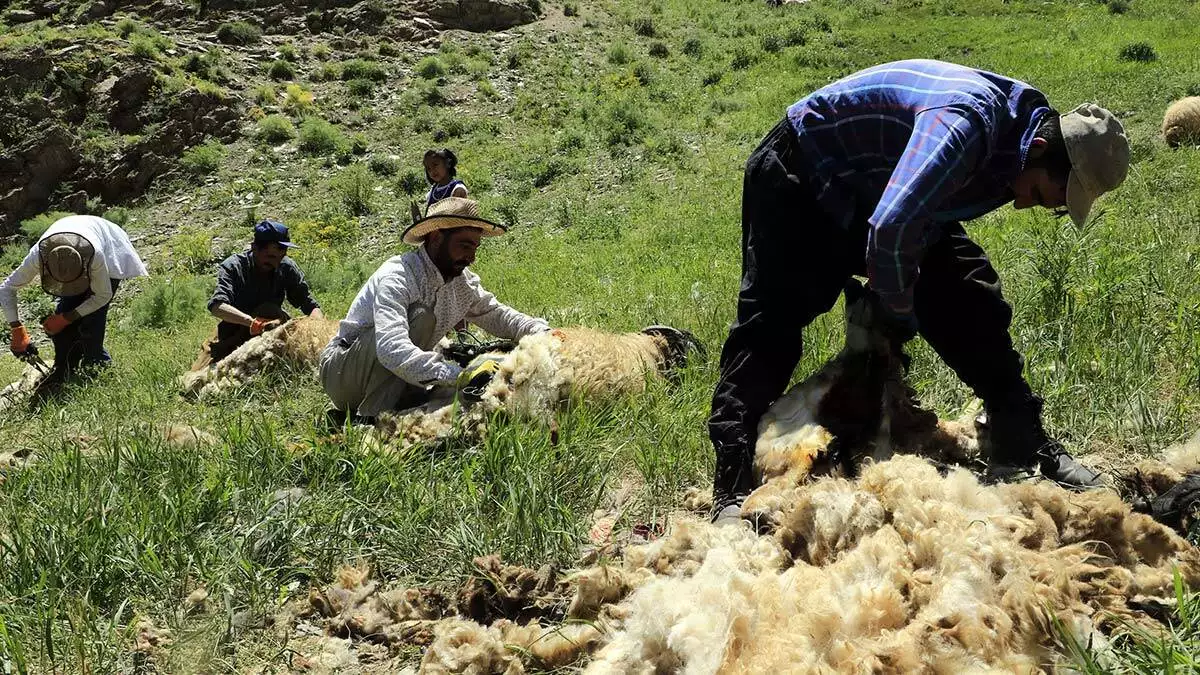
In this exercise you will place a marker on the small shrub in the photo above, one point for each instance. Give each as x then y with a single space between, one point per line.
239 33
355 187
190 251
331 230
430 68
535 5
207 65
119 215
281 70
659 50
693 47
1139 51
432 95
742 59
618 54
35 227
143 46
321 51
546 171
1118 6
712 77
319 137
265 94
384 165
518 55
297 100
360 88
388 48
360 69
203 159
127 26
772 42
287 52
455 62
166 302
644 74
795 37
570 9
359 145
644 26
571 140
275 129
450 126
623 123
487 89
413 182
326 72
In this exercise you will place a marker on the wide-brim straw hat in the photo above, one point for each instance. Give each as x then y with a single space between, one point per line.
66 260
448 214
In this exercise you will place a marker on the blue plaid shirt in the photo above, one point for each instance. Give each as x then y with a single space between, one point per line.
914 144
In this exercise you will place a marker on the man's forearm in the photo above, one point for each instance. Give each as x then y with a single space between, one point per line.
231 314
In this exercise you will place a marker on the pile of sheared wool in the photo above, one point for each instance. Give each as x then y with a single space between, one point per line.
298 342
1181 123
22 389
544 370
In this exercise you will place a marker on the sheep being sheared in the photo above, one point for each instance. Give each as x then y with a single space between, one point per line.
541 372
1181 123
298 342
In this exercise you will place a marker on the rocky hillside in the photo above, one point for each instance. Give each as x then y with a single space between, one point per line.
98 100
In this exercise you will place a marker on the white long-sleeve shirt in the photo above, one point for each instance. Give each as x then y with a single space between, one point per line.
115 258
412 278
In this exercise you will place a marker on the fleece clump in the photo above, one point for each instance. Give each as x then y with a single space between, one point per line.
297 343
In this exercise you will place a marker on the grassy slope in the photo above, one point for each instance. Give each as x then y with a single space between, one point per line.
641 227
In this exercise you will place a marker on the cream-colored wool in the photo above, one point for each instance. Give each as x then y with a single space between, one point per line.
461 646
298 342
1181 122
20 390
544 370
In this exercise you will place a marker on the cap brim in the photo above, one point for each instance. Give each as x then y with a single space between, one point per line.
417 232
1079 201
287 244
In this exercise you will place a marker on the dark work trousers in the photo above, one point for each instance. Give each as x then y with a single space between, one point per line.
81 344
795 262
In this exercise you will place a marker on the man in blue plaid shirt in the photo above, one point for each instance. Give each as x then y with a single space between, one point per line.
872 176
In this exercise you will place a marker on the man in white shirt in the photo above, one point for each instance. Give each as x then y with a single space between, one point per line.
382 357
80 260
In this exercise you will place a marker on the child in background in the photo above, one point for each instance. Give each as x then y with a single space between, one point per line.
440 169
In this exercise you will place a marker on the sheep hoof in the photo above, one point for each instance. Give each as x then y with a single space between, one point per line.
680 345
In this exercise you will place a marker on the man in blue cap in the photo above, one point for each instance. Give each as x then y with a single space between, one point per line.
251 287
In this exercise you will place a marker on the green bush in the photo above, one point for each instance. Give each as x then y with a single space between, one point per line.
743 58
359 145
623 122
281 70
297 100
644 26
361 88
275 129
387 48
319 137
795 37
384 165
326 72
331 229
1118 6
712 77
359 69
117 214
430 68
659 50
239 33
570 9
432 95
772 42
203 159
693 47
321 51
287 52
618 54
265 94
207 65
166 302
146 46
35 227
191 250
412 183
1139 51
127 26
355 187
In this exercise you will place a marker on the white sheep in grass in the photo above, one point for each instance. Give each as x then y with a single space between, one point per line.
1181 123
541 372
298 342
867 560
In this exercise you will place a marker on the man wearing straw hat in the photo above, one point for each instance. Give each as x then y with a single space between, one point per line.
382 357
81 260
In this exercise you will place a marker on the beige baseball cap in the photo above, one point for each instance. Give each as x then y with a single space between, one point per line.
1099 153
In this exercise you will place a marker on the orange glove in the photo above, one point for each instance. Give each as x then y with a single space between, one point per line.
260 326
558 334
19 342
55 324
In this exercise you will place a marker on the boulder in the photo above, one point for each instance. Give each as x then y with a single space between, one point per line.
123 96
481 15
30 172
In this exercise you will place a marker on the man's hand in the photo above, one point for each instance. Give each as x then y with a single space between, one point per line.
558 333
19 343
55 324
317 313
259 325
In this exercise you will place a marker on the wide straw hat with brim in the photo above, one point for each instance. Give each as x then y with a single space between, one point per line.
448 214
66 260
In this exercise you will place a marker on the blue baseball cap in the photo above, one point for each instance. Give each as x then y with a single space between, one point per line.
272 232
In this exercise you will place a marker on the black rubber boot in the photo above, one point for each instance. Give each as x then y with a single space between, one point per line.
1019 444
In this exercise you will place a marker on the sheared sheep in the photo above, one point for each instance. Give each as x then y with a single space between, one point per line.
541 372
298 342
1181 123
